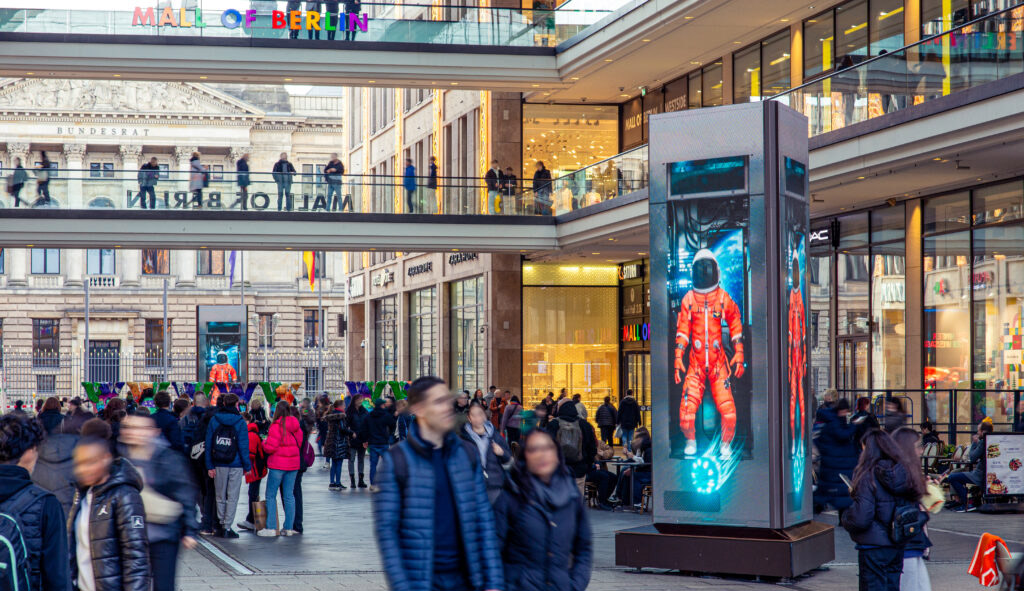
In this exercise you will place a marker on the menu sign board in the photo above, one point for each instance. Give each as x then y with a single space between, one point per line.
1004 464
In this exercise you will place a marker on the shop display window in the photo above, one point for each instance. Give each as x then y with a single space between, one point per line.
568 137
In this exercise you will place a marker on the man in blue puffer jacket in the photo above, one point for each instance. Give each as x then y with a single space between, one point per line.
434 523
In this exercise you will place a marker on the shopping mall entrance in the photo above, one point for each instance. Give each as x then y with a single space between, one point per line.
853 363
636 369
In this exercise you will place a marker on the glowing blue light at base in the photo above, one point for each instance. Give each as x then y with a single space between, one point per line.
709 472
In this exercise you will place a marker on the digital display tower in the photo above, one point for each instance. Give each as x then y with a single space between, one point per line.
221 332
729 222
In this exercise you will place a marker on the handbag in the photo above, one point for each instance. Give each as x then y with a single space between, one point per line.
259 515
159 509
618 432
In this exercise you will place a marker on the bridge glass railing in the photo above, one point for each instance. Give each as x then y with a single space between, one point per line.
983 51
602 181
392 23
168 190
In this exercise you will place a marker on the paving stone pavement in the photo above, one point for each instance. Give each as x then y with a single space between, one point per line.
338 552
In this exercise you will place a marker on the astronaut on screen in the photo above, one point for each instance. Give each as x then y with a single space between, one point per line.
699 329
797 357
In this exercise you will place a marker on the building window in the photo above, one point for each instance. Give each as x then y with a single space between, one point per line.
312 179
101 170
99 261
46 384
154 342
819 44
156 261
319 265
45 342
938 16
386 338
165 171
311 328
266 328
711 85
313 379
216 172
423 332
210 262
45 261
593 130
468 342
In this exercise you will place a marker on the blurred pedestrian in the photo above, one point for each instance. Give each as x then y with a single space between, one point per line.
606 418
167 422
404 419
916 552
227 460
434 524
495 457
512 420
581 409
577 440
77 417
258 410
283 445
149 174
198 179
895 415
54 470
381 425
282 174
542 522
168 493
837 448
975 475
293 6
243 179
409 184
334 172
43 180
109 547
497 409
16 181
37 511
542 189
357 423
629 418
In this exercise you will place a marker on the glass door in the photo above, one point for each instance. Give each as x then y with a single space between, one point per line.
104 361
638 379
853 363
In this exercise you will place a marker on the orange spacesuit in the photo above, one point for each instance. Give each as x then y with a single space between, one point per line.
222 372
797 355
699 328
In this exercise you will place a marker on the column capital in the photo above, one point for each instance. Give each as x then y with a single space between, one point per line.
237 152
130 151
75 150
17 148
184 152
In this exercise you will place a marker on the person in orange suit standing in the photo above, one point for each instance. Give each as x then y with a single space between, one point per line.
699 328
797 355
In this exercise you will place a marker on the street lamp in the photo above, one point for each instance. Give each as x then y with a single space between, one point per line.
260 336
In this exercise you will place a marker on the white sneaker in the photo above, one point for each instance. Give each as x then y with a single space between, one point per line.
691 447
725 452
246 525
289 532
267 533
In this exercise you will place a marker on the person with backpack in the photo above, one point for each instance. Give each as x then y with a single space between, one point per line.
53 469
885 489
434 524
109 546
380 428
495 456
283 446
629 418
542 522
512 419
33 536
357 416
577 440
336 443
227 461
258 461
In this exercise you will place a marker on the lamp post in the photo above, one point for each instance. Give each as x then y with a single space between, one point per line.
265 335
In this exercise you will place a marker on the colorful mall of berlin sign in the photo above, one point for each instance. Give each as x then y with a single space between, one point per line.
232 19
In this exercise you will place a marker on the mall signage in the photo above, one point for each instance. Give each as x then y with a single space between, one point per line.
294 20
631 271
420 269
635 333
383 278
462 257
821 237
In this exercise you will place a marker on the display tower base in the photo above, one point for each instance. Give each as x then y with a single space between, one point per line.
782 553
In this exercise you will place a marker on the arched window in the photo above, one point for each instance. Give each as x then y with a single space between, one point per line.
102 202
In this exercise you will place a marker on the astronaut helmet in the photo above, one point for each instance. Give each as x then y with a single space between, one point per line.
705 271
797 271
222 357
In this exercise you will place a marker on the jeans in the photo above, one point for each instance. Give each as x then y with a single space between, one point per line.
143 191
333 189
410 200
608 434
958 481
254 496
454 581
376 453
360 451
605 482
284 198
163 559
16 193
336 466
285 481
880 569
297 492
197 197
228 484
627 439
493 202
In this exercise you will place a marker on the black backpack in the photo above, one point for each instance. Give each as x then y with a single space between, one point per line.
14 566
907 522
225 444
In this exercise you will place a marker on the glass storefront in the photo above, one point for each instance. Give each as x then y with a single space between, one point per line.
423 332
568 137
386 338
468 335
635 335
570 332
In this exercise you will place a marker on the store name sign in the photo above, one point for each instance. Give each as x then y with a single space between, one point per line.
462 257
635 333
632 271
233 19
943 340
420 269
820 237
383 278
982 279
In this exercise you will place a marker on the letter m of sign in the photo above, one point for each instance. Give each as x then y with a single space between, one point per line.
143 19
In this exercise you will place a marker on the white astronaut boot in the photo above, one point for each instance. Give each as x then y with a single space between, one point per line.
691 447
793 450
725 452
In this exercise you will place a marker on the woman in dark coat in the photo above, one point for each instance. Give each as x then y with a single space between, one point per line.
837 446
542 523
336 443
53 469
495 457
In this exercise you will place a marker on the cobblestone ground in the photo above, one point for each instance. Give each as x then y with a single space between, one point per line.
338 553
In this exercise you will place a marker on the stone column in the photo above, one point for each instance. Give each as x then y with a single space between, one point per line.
131 267
505 322
506 134
17 258
18 150
74 157
130 155
75 260
186 267
179 171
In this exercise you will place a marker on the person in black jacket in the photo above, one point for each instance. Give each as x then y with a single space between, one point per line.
838 451
509 190
168 423
53 468
884 479
109 548
77 417
163 471
40 516
542 523
607 417
542 189
380 427
149 173
632 480
495 456
334 170
283 172
568 414
336 443
357 416
492 178
243 180
629 418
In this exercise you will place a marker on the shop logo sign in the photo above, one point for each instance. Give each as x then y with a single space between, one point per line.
635 333
462 257
233 19
819 237
941 287
632 271
420 269
384 278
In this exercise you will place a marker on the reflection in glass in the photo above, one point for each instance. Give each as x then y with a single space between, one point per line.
888 311
423 332
999 203
820 271
946 318
712 85
819 44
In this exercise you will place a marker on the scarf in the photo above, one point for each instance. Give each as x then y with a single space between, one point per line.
483 442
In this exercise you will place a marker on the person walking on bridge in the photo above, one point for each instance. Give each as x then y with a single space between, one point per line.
148 175
197 179
283 172
409 183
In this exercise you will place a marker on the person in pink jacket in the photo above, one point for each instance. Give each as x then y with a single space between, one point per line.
283 446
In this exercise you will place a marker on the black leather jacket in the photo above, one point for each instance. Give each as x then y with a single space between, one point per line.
117 529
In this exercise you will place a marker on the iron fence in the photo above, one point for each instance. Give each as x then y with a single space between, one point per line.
27 375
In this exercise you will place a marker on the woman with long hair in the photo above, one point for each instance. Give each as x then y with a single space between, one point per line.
258 411
883 480
283 446
495 456
915 573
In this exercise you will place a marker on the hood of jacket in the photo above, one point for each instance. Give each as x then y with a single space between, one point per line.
227 417
253 428
378 412
894 478
121 472
334 417
51 420
13 478
57 448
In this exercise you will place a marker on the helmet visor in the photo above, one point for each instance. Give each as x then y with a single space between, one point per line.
705 274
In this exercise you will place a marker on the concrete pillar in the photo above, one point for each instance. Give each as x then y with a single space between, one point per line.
506 133
727 86
74 157
130 155
75 262
370 352
179 171
131 267
911 21
186 264
17 259
505 333
796 55
18 150
356 370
